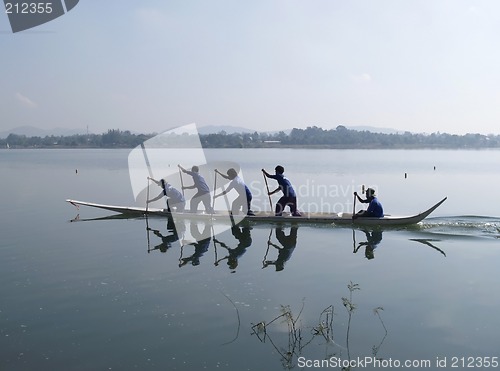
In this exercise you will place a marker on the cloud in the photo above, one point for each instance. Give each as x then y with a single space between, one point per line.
363 78
25 101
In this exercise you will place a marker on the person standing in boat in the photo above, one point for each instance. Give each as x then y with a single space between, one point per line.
289 197
175 199
203 191
374 209
244 198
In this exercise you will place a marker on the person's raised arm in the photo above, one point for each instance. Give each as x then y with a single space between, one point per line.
360 199
221 174
157 182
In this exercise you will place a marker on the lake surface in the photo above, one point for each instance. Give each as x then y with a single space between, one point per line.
82 292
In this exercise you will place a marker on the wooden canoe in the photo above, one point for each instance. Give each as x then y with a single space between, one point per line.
319 218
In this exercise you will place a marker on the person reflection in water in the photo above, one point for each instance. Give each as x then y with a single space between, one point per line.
200 246
166 241
288 243
244 240
373 238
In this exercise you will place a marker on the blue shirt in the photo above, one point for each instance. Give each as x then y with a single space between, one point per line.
284 184
173 194
375 208
240 187
199 182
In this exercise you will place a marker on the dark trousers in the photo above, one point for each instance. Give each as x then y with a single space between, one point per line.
241 203
287 201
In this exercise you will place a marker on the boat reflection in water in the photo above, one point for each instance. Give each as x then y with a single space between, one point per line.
374 238
195 237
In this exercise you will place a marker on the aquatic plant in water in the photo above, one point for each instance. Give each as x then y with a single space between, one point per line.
296 343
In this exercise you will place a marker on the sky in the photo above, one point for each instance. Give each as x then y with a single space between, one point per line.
151 65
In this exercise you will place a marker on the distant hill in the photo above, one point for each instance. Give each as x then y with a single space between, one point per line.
31 131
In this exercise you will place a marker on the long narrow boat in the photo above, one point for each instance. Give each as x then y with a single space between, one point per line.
319 218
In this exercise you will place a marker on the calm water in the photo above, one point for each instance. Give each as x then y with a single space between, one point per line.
108 294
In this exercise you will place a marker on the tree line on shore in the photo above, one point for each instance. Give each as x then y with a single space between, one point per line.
311 137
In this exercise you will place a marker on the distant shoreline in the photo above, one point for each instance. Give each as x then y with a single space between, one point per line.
309 138
311 147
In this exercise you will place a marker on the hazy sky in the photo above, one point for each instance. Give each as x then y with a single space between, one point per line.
147 66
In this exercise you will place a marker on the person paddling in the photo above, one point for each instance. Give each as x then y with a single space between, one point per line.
175 199
203 191
374 209
244 195
289 197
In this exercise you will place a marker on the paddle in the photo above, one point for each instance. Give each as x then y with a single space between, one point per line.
147 160
228 207
267 188
182 181
215 189
145 154
215 246
267 251
354 206
147 198
354 202
225 199
147 222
